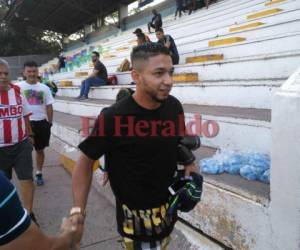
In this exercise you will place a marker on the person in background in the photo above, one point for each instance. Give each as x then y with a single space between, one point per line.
61 62
16 138
141 39
40 102
168 42
190 5
179 8
16 230
156 21
97 78
138 32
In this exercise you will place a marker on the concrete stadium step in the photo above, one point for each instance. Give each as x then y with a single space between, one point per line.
232 196
216 27
178 38
234 128
272 27
127 35
274 66
234 13
277 65
251 47
244 94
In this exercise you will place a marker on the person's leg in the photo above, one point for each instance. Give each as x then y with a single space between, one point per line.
190 8
23 166
194 5
82 87
6 161
42 131
40 158
27 193
180 10
152 26
207 3
92 82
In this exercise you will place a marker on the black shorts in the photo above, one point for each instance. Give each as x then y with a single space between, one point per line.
19 157
42 132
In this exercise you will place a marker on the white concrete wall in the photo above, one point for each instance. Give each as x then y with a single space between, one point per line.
285 171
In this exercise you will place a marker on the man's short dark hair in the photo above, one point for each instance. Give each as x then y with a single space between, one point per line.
137 31
30 64
96 53
159 30
145 51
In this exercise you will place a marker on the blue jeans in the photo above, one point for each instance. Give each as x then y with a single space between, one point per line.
89 82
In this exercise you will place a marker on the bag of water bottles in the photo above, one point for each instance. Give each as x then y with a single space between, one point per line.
250 165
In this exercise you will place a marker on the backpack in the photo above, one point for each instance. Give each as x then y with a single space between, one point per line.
112 80
52 86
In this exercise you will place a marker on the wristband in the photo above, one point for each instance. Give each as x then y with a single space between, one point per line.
77 210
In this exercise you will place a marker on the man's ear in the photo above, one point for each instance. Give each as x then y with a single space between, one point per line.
135 75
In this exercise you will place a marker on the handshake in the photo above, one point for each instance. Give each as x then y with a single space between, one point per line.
71 233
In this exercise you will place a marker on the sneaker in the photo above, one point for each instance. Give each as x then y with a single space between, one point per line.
83 98
39 180
32 216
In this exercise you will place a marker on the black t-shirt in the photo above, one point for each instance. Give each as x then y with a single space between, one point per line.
102 71
156 20
14 219
140 148
173 48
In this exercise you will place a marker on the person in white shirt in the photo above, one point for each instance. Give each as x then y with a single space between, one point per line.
40 102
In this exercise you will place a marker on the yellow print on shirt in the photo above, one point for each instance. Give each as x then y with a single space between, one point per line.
147 222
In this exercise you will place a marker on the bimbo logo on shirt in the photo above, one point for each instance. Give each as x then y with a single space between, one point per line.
10 111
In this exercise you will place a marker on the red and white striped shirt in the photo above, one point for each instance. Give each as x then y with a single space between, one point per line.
13 108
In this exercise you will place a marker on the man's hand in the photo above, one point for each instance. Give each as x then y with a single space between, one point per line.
77 221
69 229
188 169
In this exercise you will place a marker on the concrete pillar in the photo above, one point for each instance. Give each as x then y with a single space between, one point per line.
123 13
285 170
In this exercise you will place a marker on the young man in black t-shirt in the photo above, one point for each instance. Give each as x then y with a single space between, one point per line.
169 43
97 78
139 136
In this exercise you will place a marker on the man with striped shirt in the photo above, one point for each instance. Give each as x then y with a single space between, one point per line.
15 133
